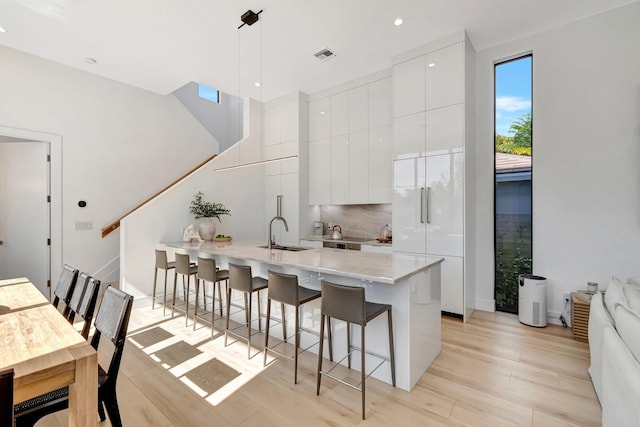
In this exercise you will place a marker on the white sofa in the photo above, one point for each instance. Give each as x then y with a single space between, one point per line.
614 344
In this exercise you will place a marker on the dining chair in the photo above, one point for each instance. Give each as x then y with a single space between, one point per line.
184 268
161 264
208 272
64 288
83 301
240 279
6 397
284 288
112 322
348 303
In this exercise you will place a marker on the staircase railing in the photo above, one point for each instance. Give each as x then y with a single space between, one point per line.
116 224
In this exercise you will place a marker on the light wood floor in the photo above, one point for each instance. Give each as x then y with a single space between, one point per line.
493 371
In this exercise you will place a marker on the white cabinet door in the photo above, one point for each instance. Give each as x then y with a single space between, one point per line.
311 243
340 170
452 286
376 248
289 189
359 109
444 204
445 77
409 136
320 172
320 119
359 168
380 165
409 87
380 104
445 129
409 192
340 114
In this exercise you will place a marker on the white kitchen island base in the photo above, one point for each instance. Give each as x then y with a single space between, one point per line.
411 284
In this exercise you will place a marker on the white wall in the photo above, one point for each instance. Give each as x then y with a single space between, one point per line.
586 153
119 144
164 219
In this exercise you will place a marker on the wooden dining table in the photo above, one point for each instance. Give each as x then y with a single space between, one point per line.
45 351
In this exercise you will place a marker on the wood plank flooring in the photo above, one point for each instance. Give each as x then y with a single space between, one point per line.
493 371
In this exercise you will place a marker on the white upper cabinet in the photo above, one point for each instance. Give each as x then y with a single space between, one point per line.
340 114
340 170
445 129
409 87
380 165
359 109
445 76
358 133
320 172
380 104
359 168
320 119
409 136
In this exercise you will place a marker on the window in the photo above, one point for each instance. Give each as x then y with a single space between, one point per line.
208 93
513 172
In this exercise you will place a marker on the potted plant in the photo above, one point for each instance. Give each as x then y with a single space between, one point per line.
206 212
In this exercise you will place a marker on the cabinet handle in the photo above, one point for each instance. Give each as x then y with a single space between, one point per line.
422 205
428 205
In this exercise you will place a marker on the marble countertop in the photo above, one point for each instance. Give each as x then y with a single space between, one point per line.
374 267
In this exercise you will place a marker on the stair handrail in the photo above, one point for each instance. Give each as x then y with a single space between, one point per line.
116 224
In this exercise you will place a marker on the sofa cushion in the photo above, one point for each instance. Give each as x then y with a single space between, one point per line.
628 327
613 296
634 280
632 294
599 320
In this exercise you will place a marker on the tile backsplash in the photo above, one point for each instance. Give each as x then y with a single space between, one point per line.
357 220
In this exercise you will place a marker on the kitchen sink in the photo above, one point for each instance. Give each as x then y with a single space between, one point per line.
285 248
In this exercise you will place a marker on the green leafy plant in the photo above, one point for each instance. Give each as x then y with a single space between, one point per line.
508 268
202 209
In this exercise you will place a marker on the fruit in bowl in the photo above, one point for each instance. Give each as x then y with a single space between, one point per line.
222 238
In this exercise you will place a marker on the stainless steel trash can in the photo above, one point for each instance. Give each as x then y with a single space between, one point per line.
532 300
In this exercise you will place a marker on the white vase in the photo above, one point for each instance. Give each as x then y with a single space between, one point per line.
207 228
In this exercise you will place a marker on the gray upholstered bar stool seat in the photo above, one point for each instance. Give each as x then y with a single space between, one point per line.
186 269
240 279
161 264
284 288
348 303
207 272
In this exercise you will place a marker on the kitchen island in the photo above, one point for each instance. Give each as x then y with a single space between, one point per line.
410 283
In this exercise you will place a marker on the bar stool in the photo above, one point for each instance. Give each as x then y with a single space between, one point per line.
240 279
207 272
284 288
161 264
186 269
348 303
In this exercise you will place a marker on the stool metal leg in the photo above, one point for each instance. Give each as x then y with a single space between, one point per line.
295 363
153 297
318 376
284 323
266 332
363 375
391 351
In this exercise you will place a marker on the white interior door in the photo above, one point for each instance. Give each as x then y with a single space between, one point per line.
24 212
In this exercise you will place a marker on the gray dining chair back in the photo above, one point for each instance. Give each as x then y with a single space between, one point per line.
83 301
64 288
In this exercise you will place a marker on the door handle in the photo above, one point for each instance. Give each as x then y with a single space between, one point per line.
1 243
428 205
422 205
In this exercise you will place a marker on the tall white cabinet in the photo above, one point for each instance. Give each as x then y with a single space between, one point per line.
350 143
432 155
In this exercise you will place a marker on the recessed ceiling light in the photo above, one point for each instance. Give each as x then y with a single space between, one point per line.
398 22
90 61
257 84
321 112
431 64
2 30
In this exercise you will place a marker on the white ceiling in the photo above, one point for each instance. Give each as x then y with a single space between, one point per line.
160 45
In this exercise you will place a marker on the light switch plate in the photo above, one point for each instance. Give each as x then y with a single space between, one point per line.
84 225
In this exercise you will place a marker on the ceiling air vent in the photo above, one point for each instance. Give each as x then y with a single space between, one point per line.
324 54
